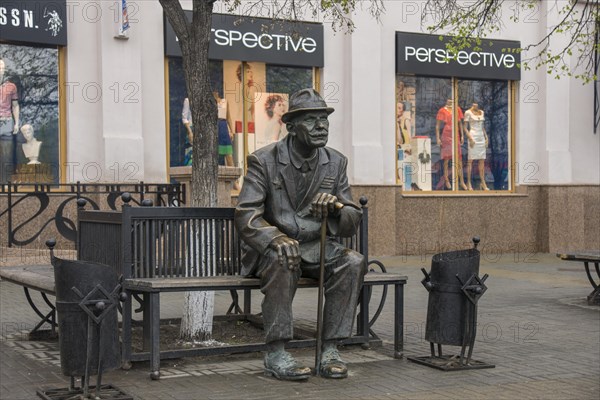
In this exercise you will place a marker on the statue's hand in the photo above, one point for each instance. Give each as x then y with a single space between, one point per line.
288 252
325 204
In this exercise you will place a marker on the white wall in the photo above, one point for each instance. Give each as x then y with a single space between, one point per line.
115 111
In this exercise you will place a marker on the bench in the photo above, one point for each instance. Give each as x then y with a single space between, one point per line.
39 278
587 257
150 247
157 253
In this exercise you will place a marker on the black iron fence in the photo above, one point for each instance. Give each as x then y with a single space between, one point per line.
29 209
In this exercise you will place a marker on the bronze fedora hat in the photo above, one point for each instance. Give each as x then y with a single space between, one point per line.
305 100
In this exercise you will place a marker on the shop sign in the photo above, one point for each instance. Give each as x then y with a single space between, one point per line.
36 22
422 54
258 39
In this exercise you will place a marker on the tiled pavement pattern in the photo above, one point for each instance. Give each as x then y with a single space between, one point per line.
533 325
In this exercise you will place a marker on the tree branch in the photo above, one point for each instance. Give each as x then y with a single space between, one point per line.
176 17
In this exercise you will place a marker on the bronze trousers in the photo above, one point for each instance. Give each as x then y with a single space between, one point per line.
343 282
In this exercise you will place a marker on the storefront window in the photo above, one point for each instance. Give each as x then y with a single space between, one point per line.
180 122
486 147
253 96
452 135
29 114
252 83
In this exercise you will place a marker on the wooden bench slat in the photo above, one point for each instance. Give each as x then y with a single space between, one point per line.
36 277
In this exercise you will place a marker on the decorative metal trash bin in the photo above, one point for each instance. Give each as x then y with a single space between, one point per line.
87 295
454 289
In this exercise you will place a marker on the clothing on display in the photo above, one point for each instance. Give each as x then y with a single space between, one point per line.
8 94
225 145
476 121
445 115
403 127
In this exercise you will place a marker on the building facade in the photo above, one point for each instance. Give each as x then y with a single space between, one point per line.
109 106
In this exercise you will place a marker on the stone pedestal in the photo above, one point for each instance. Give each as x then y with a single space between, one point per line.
227 177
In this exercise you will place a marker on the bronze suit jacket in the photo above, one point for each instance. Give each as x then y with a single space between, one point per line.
268 208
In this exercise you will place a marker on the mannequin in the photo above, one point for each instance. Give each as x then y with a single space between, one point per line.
225 134
186 119
445 116
31 148
9 123
478 142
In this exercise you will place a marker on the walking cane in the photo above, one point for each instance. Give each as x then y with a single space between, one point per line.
338 206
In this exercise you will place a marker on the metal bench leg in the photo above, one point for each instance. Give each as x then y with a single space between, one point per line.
363 317
594 297
247 301
234 307
154 306
126 333
399 321
50 317
146 323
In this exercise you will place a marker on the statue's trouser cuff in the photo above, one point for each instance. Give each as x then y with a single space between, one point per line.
343 281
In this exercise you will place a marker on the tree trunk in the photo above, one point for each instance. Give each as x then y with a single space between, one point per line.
194 40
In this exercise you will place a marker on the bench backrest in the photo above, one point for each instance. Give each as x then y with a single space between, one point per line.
147 242
99 237
180 242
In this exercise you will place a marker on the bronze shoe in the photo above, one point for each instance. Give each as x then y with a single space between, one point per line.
282 365
332 366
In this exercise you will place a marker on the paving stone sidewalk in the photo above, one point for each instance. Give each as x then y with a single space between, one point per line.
534 325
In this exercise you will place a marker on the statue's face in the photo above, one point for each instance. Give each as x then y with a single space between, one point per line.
27 132
311 129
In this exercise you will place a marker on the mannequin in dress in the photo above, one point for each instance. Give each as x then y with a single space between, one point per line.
225 135
478 142
444 116
31 148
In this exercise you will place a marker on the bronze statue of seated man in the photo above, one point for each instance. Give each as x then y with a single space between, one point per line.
290 186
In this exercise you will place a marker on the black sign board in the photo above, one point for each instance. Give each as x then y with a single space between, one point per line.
36 22
258 39
422 54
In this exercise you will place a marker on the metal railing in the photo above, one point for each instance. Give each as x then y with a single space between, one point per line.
32 200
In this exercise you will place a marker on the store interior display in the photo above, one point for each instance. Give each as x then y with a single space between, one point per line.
251 98
421 163
433 107
28 99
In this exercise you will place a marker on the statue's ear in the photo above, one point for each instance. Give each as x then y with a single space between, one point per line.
290 128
